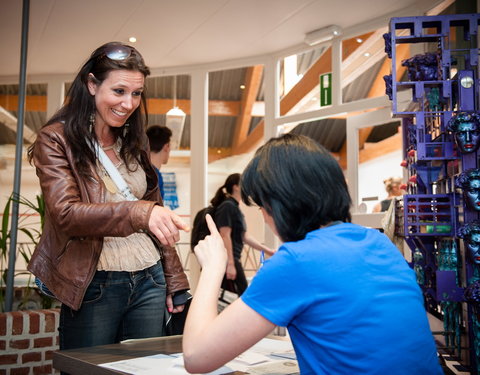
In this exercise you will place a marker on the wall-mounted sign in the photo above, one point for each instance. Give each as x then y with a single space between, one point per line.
325 89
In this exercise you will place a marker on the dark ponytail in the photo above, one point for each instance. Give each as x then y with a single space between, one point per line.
226 189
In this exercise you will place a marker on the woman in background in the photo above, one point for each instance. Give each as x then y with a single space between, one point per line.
392 186
231 225
347 296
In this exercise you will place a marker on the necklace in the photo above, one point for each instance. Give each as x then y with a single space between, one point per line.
107 148
108 182
113 146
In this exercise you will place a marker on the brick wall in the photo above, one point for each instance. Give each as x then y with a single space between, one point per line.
27 341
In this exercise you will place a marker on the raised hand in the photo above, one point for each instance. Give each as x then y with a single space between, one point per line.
211 251
165 225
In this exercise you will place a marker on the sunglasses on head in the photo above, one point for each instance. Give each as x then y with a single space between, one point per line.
118 52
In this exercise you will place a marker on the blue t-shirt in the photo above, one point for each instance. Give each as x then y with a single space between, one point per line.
350 302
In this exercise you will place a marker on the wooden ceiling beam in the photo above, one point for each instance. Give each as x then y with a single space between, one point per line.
252 141
378 86
377 89
11 122
33 103
301 89
214 153
253 79
306 84
375 150
38 103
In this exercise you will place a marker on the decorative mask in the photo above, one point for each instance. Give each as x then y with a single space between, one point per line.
422 67
470 233
472 296
465 127
469 182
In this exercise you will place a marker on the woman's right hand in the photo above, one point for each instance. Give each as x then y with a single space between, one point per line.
210 251
165 225
231 272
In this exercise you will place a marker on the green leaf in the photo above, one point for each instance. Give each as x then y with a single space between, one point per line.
5 233
41 209
28 233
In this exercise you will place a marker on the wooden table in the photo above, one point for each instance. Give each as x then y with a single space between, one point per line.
86 360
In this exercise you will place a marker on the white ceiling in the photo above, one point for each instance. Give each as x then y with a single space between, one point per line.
173 33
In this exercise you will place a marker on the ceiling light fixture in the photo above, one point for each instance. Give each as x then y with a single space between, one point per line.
175 120
132 39
322 35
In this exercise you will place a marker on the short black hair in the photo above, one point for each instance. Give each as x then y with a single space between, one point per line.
298 183
158 136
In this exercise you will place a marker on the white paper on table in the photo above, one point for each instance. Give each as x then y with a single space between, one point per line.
264 354
284 367
250 358
275 349
286 355
140 365
167 364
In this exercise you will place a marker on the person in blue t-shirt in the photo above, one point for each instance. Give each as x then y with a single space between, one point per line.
159 139
347 296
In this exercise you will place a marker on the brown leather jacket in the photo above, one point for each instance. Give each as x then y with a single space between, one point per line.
77 219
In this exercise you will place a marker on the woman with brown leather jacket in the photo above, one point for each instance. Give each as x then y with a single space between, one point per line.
106 254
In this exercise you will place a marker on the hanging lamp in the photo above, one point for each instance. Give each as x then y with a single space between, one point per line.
175 120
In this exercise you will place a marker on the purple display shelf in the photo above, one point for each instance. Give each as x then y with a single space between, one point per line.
436 32
426 176
429 215
439 84
432 140
426 134
447 289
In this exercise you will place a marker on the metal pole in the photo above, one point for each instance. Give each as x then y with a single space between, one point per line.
18 157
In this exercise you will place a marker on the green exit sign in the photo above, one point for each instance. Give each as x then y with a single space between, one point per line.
325 89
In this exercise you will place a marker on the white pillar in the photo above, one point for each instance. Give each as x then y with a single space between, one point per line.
271 99
354 124
272 110
199 156
352 161
337 72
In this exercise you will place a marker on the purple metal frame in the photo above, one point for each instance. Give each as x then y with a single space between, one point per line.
432 210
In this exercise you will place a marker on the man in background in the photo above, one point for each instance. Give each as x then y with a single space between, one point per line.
159 138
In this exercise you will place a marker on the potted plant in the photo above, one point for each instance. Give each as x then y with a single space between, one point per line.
27 297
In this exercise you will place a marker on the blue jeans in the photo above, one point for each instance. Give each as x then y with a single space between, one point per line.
117 306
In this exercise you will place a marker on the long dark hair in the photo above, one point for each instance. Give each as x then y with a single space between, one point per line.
226 189
80 105
298 183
